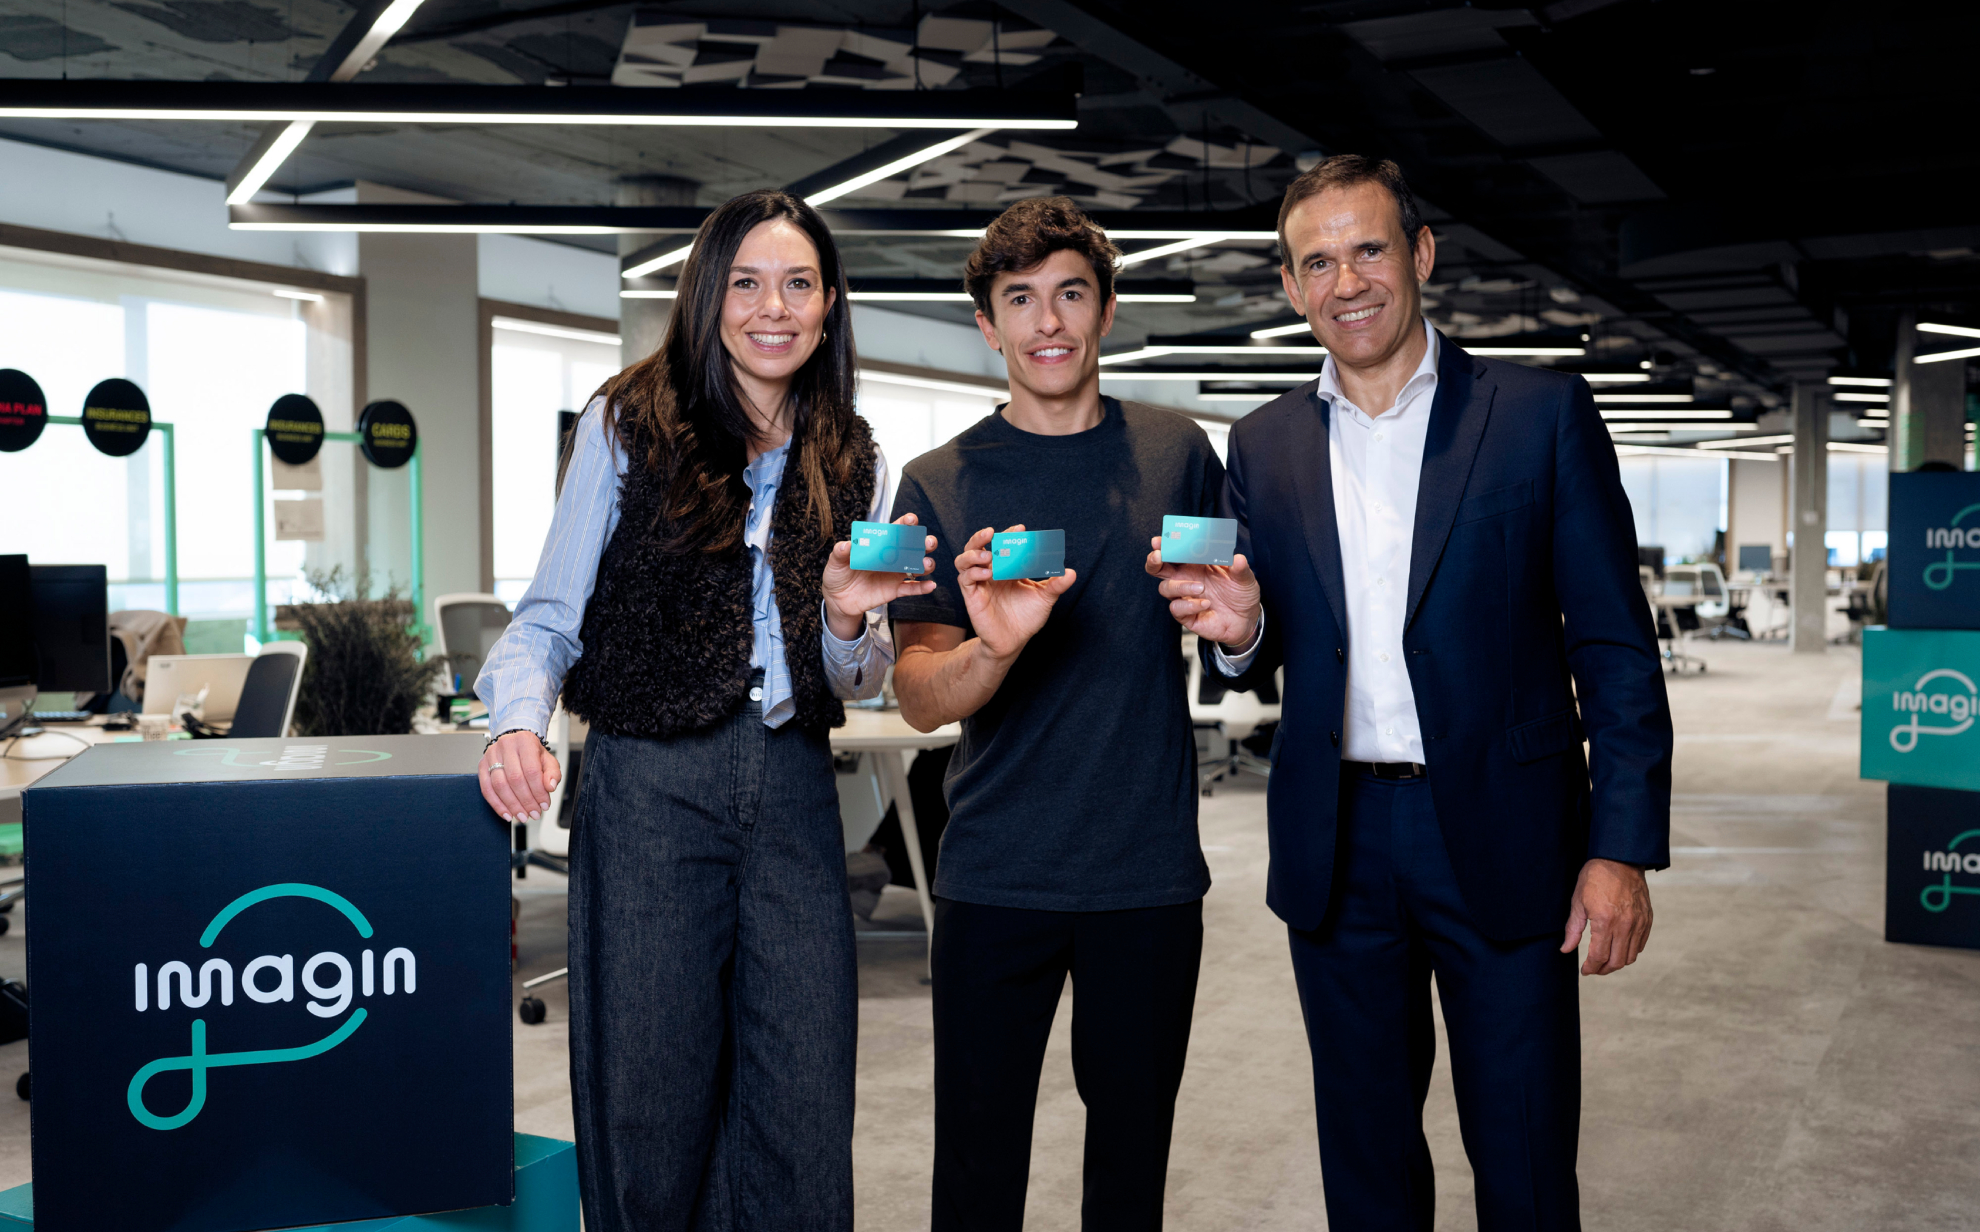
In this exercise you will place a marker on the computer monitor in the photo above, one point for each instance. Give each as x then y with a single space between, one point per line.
71 628
1651 558
16 641
16 623
1756 557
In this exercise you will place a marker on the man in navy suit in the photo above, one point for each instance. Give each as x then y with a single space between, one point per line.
1446 569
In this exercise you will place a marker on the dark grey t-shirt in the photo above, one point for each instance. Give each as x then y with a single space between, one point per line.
1074 787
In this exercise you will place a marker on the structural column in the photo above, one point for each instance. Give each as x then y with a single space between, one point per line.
1928 406
1809 555
642 322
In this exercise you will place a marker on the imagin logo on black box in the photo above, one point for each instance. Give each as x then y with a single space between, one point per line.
271 985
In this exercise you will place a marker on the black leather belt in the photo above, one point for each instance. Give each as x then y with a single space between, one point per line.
1388 769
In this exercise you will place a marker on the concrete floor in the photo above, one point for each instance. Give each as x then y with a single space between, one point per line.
1771 1063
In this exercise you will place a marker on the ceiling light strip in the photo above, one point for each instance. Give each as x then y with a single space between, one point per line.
1672 451
520 326
1644 398
1164 250
1957 331
1880 382
897 166
265 167
424 103
1937 356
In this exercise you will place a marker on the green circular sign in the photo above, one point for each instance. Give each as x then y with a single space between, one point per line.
295 429
23 411
387 434
116 417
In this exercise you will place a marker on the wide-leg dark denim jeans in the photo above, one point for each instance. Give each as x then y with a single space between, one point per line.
713 998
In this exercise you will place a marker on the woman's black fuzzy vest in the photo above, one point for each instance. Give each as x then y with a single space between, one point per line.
667 634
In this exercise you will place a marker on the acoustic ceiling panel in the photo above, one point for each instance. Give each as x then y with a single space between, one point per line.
1598 178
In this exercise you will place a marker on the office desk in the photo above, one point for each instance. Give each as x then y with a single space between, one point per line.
886 735
47 751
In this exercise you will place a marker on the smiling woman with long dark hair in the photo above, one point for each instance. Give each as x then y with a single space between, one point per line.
694 604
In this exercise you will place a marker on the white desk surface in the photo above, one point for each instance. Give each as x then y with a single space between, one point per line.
48 750
872 730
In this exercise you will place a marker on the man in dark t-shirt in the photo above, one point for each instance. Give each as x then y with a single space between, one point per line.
1071 845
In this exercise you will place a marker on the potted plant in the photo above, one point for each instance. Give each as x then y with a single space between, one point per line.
365 675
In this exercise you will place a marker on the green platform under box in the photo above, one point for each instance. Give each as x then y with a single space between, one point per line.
546 1200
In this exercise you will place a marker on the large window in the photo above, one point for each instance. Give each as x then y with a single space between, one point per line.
1859 499
1679 503
537 370
211 354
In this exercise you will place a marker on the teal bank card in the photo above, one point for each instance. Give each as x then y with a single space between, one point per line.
1027 554
885 547
1198 541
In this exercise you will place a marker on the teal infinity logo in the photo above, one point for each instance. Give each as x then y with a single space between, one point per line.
198 1059
1940 573
1936 898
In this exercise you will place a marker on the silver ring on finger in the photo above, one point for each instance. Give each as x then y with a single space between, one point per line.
495 765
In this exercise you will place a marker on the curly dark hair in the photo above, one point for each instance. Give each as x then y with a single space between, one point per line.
1030 231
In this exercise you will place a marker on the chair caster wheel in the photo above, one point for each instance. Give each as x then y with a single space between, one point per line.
531 1011
23 1088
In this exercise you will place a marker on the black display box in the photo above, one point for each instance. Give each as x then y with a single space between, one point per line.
1932 867
269 984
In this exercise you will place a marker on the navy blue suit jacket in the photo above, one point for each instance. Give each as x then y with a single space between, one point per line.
1523 599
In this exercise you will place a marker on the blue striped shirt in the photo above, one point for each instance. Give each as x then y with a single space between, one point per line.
525 670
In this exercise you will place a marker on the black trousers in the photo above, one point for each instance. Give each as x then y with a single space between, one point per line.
1397 918
998 975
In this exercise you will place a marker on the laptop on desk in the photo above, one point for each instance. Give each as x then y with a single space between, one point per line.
170 677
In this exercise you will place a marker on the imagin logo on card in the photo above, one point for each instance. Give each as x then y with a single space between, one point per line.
1027 554
885 547
1198 541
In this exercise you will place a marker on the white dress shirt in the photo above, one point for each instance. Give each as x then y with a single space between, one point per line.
1376 463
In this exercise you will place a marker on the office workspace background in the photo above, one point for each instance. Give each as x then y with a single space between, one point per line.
1646 195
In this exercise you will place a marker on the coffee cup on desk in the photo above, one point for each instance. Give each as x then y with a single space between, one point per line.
154 726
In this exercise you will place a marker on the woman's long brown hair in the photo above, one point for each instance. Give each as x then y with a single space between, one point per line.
680 405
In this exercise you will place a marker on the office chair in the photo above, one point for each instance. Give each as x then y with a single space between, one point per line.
268 695
1233 717
1675 623
467 626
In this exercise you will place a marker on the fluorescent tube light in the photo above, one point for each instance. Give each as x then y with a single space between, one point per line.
1957 331
1681 426
266 165
1164 250
1260 398
1694 414
1967 353
1853 447
1185 233
1627 450
307 296
1643 398
896 167
1227 374
1612 378
1880 382
423 103
649 294
658 263
1746 442
1507 352
921 382
1281 331
1846 397
1154 352
517 325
